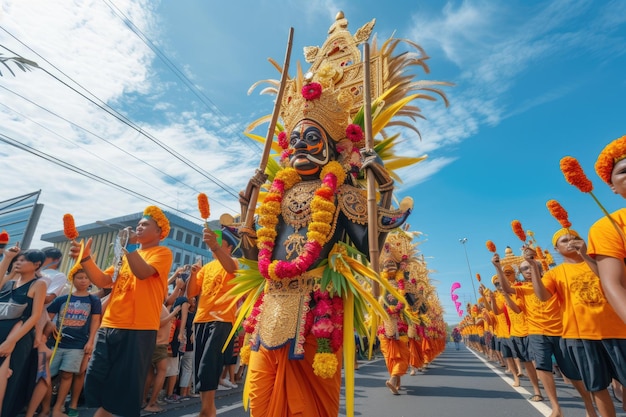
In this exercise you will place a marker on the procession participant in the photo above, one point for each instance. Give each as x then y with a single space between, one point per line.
126 339
545 327
17 335
315 206
499 308
519 325
593 334
607 242
215 314
393 330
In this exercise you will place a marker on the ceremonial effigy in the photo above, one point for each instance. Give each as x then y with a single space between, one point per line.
316 210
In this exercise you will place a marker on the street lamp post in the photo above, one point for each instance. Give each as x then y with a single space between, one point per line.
463 241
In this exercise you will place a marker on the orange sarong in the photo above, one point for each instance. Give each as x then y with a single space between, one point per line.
283 387
416 358
396 355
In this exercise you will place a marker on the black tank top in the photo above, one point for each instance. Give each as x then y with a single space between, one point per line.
18 295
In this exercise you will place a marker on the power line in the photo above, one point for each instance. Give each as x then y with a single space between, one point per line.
177 72
103 106
24 147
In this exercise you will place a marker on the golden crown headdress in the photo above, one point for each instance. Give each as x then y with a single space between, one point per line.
331 92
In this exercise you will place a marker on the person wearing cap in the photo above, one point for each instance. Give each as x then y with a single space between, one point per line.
125 342
607 242
215 314
593 335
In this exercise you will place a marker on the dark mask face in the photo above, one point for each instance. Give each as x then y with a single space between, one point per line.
311 149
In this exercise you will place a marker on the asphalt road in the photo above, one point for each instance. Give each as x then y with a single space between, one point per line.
458 383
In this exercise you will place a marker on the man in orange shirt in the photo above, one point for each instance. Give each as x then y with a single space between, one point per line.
593 334
123 351
215 315
544 321
519 323
607 242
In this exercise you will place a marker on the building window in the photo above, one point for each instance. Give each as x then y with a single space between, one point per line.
187 259
188 238
179 235
177 258
196 241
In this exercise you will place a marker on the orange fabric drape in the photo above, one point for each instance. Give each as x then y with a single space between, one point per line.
280 387
396 355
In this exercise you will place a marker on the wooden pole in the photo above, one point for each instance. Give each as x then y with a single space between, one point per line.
249 215
372 207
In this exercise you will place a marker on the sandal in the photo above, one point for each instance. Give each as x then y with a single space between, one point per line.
72 412
536 398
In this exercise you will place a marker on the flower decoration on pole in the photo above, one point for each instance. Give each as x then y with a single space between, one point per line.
559 213
575 175
516 225
478 277
491 247
203 207
69 227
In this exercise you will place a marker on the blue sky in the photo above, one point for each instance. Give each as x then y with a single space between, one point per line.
534 81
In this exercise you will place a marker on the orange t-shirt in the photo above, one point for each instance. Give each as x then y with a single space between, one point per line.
502 326
134 303
542 317
605 240
213 282
586 312
519 327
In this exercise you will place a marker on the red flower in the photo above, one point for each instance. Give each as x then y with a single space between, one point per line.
354 133
312 91
283 142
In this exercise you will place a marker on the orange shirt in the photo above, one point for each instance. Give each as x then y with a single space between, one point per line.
502 325
586 312
605 240
213 282
134 303
543 318
519 327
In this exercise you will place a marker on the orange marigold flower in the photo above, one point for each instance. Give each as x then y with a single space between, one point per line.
575 175
203 206
491 247
518 230
610 155
69 227
559 213
478 277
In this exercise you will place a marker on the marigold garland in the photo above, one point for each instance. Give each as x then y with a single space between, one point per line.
478 277
610 155
518 230
559 213
327 327
491 247
162 222
575 175
69 227
322 208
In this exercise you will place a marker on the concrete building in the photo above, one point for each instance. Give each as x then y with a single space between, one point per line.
185 239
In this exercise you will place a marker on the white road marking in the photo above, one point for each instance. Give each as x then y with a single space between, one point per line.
540 406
